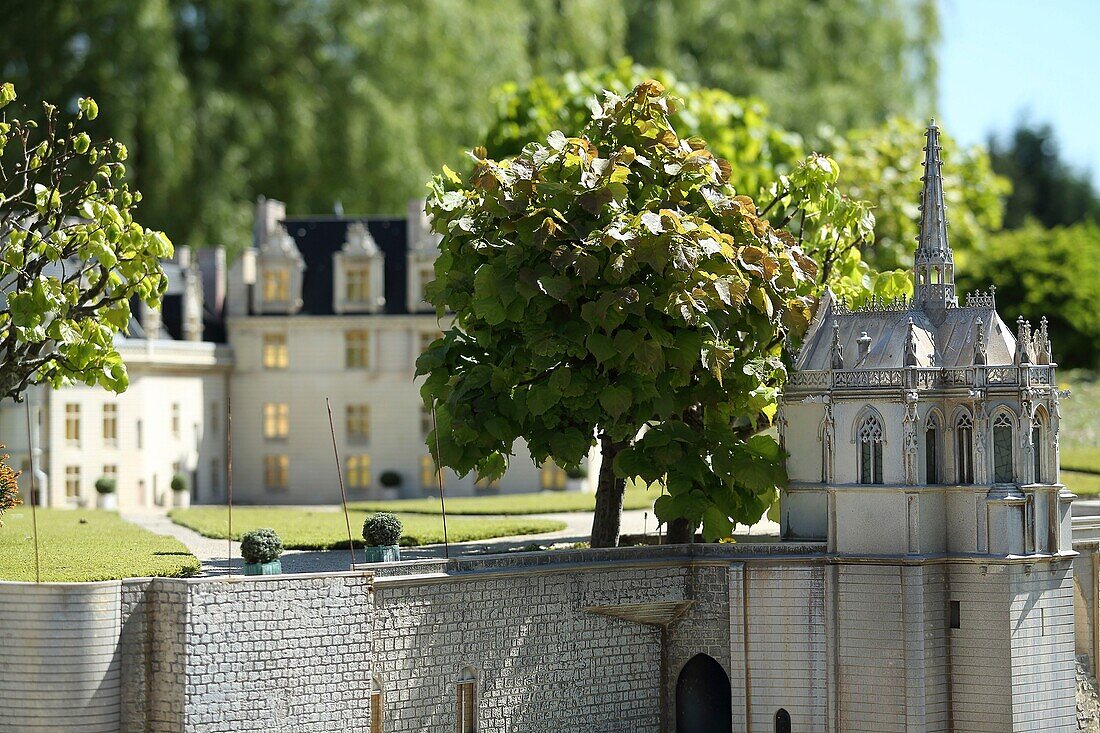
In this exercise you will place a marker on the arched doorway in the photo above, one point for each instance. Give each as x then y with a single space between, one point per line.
703 697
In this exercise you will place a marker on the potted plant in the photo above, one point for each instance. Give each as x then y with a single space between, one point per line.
575 478
391 484
261 549
105 489
180 494
382 532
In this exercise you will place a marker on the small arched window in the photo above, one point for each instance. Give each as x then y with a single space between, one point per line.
870 439
964 448
1039 446
782 721
932 449
376 705
467 701
1002 449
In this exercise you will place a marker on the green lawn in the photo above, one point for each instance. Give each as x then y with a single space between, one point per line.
1082 484
1080 428
543 502
322 530
103 547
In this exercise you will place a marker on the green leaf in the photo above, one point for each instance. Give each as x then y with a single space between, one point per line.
616 400
601 347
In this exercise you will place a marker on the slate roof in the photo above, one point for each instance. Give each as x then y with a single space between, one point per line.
320 238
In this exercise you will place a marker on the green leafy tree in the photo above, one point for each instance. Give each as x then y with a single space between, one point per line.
615 286
1044 187
9 486
72 257
1051 273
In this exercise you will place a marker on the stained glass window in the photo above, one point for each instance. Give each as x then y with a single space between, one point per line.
931 451
964 449
1002 449
870 450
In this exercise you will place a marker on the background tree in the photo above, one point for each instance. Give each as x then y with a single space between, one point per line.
9 486
614 285
72 257
1050 273
1044 187
360 102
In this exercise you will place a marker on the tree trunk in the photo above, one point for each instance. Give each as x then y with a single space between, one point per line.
607 517
680 532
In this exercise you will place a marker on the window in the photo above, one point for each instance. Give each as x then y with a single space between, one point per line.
426 339
427 275
275 351
425 421
964 448
955 615
276 420
140 435
175 419
276 285
870 450
1039 446
931 450
551 477
357 284
110 471
359 472
356 349
782 721
376 705
110 424
466 707
72 482
215 418
72 423
1002 449
358 423
276 471
429 477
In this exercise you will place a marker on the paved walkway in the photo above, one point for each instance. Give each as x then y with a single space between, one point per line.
212 553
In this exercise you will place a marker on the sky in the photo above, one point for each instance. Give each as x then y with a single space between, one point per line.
1001 60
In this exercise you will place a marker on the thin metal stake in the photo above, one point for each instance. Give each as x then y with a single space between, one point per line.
439 479
340 475
229 481
34 497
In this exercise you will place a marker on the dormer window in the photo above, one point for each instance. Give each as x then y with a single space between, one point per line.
422 247
276 285
359 271
279 274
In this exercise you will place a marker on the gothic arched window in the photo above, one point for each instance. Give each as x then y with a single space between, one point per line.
782 721
466 706
964 448
932 449
870 439
1039 446
1002 449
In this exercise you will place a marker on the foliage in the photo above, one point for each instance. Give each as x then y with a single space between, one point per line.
357 102
105 485
382 530
179 482
883 165
1080 425
612 282
9 486
261 545
390 479
1047 272
86 545
535 502
72 257
576 472
325 530
1044 187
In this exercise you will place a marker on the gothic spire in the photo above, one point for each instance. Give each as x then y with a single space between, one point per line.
933 263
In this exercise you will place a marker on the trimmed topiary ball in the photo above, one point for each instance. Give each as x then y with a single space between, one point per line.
179 482
105 485
382 530
261 545
390 479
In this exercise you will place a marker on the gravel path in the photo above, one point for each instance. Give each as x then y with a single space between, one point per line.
212 553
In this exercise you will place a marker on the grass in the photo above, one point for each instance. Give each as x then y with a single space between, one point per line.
543 502
323 530
1080 428
1082 484
86 545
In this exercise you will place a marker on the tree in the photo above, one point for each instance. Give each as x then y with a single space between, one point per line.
1044 187
615 286
1047 273
9 486
72 257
